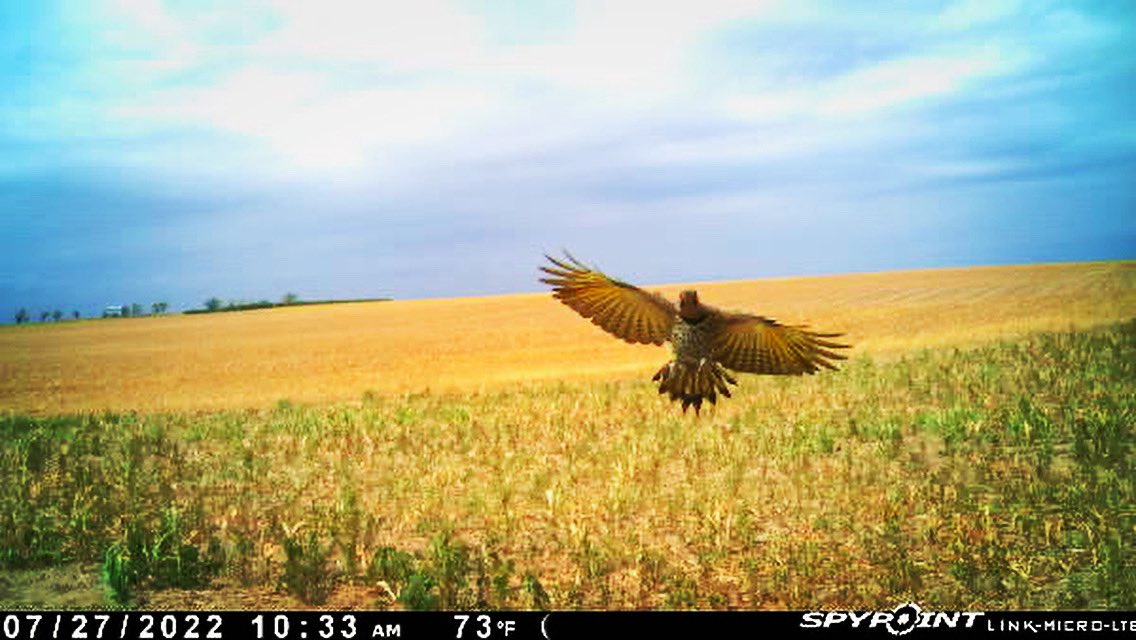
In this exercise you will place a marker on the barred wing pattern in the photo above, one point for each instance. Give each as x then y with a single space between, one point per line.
617 307
753 344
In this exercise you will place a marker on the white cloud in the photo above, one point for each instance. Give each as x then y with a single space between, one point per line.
312 124
356 85
631 48
420 35
967 14
873 89
895 82
336 84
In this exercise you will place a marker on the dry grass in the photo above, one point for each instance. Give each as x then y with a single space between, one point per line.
996 477
339 352
966 457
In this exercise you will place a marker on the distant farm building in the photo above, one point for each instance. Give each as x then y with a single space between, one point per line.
112 311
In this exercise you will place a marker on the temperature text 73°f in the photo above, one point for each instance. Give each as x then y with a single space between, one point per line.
484 626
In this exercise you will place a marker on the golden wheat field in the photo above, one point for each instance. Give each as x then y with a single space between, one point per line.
975 452
335 353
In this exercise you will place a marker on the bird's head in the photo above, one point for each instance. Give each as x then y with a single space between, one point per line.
689 307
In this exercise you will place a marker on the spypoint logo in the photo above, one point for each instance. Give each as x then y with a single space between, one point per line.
898 622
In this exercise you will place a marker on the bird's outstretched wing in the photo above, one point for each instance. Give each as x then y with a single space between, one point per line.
617 307
754 344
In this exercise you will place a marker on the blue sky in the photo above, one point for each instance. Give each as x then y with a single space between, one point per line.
171 151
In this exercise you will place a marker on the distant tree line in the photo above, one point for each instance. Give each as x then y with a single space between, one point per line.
215 304
22 316
114 311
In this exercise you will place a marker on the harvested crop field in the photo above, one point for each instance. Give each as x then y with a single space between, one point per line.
975 452
338 353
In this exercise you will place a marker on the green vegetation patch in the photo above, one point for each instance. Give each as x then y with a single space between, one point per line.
998 477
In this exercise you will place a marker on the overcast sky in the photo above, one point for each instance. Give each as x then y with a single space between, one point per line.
171 151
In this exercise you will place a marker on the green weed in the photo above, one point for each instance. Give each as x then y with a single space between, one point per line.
1001 476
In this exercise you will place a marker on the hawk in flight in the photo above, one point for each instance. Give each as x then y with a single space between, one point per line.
707 343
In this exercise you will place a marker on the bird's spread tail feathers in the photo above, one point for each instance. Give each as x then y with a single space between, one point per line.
693 382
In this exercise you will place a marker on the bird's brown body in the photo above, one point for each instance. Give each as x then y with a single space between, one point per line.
707 343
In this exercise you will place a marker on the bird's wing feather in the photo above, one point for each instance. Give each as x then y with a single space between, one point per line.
617 307
754 344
